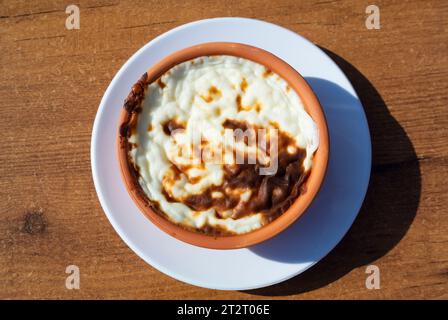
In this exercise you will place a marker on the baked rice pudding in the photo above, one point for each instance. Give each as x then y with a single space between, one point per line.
218 144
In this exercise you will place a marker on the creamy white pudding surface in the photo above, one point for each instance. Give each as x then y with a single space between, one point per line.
203 96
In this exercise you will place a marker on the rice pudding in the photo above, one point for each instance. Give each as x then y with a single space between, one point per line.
219 144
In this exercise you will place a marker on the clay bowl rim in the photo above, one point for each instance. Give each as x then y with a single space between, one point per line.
313 183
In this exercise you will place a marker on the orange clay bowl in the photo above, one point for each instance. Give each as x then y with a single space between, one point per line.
311 186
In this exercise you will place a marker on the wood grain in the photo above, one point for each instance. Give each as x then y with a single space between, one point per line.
52 80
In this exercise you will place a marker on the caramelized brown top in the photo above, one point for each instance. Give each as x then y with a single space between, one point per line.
271 195
213 93
243 85
132 105
172 125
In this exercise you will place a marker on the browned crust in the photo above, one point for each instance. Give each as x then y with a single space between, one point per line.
132 106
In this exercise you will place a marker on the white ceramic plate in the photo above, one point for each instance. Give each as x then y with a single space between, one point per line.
301 245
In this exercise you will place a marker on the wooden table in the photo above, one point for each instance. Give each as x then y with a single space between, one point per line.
51 83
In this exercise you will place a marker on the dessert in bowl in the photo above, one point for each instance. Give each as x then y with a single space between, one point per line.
222 145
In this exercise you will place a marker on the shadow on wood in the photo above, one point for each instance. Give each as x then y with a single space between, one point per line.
391 202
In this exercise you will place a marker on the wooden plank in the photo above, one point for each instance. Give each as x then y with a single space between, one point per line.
52 80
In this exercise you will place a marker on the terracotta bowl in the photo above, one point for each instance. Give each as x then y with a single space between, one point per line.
312 184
